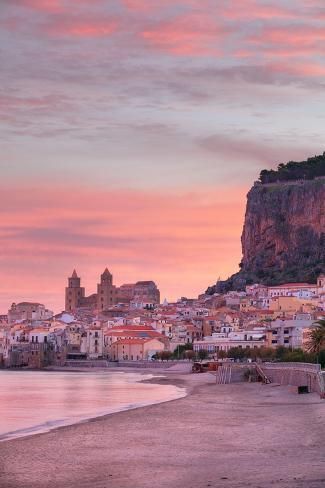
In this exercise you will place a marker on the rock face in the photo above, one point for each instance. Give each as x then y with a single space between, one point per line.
283 238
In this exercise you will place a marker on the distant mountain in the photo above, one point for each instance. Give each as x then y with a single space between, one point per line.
283 238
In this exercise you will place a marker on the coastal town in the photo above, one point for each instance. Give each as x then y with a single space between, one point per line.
130 324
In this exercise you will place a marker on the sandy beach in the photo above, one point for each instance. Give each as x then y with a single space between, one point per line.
239 435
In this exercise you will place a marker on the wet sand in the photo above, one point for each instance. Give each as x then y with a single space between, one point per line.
240 435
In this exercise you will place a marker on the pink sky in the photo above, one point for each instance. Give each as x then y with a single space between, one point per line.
131 131
168 237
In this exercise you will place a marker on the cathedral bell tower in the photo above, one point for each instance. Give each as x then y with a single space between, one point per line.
106 291
73 293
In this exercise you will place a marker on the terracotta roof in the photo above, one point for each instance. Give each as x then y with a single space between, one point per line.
144 334
289 285
132 327
39 329
131 341
260 312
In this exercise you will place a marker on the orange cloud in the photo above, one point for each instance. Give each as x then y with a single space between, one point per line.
252 9
149 5
300 69
51 6
303 43
139 5
190 34
298 35
183 241
88 28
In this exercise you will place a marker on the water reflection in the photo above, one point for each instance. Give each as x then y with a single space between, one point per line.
33 402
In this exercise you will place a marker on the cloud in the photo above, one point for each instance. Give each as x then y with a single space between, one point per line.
304 43
187 35
49 6
250 10
145 6
262 152
146 94
137 234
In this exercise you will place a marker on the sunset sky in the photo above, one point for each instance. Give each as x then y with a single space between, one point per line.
131 131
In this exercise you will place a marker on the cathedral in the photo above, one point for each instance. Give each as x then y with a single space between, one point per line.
142 292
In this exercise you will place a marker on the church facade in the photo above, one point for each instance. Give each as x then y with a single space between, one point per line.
108 294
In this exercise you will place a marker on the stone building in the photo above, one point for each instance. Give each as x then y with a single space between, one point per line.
106 291
140 293
108 295
28 311
74 293
104 298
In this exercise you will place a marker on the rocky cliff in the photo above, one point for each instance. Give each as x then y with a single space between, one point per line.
283 238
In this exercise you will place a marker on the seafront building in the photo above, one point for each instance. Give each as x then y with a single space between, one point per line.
129 323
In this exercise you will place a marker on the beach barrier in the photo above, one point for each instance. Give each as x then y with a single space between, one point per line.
230 373
296 374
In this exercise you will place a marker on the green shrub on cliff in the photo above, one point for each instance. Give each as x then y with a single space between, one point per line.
293 170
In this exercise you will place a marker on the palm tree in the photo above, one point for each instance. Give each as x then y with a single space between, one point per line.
320 323
316 341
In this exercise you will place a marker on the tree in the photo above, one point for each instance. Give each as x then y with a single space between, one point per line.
296 356
203 354
280 352
179 352
293 170
320 323
236 353
221 354
164 355
190 355
265 353
316 342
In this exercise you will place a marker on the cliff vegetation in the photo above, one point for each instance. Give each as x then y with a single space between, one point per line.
293 171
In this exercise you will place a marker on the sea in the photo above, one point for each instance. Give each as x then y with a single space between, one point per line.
32 402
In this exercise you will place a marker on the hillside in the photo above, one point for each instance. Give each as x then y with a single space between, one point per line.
283 238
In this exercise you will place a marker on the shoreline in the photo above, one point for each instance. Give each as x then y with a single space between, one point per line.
53 425
232 436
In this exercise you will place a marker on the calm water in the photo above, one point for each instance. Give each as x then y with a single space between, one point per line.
33 402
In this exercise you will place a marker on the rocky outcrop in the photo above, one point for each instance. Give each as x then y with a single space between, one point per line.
283 238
